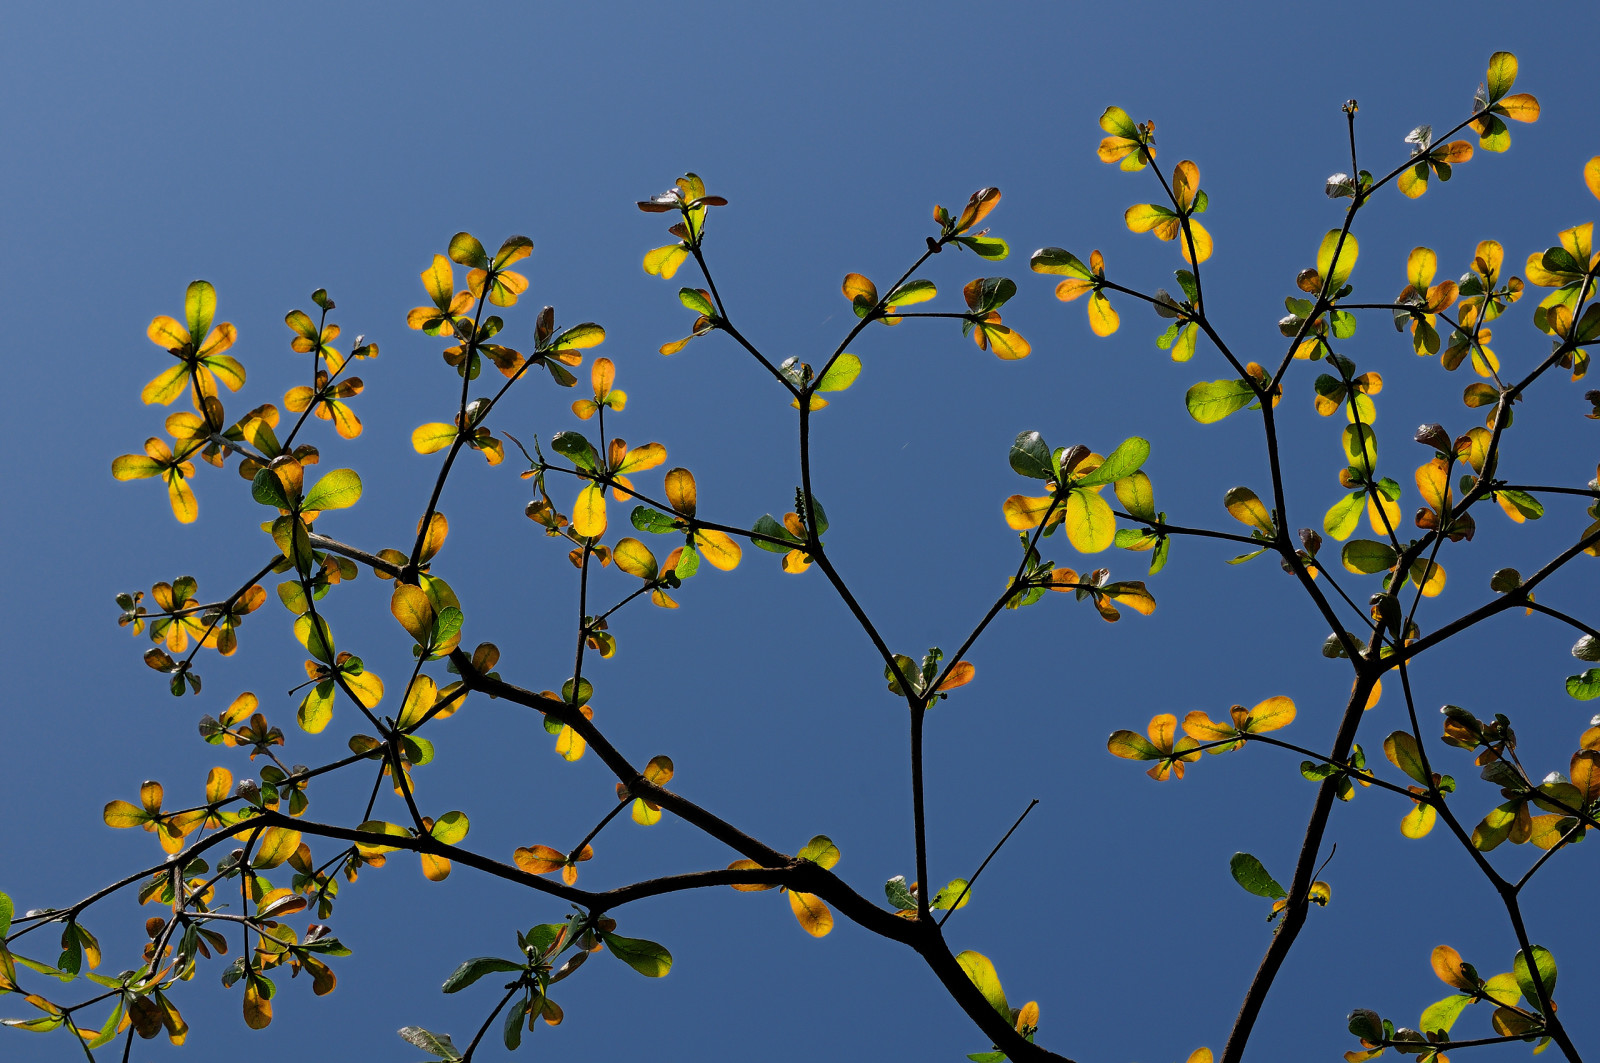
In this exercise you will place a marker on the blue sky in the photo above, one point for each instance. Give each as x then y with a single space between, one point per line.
274 151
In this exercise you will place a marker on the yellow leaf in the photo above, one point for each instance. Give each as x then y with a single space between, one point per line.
1202 242
411 606
644 813
420 697
634 558
1271 714
663 262
814 916
681 492
434 868
983 975
538 859
433 437
219 785
1022 513
589 512
184 506
1103 320
1246 507
570 745
276 845
1419 821
1447 965
717 548
165 387
750 865
1090 524
257 1009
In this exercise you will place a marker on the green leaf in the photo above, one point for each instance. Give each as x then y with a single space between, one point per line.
476 968
266 489
315 637
1366 1024
841 374
576 449
899 894
1344 516
693 300
1585 686
646 957
646 519
1126 460
1030 456
511 1031
7 909
438 1044
1249 873
766 525
339 489
1058 261
1364 556
1209 402
1526 504
1547 973
585 691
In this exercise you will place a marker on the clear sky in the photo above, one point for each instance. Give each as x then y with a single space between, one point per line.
274 149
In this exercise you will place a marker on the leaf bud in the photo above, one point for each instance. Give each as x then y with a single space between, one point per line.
1433 435
248 789
1311 540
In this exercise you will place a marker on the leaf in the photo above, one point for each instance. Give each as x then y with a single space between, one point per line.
1249 873
429 438
634 558
820 851
437 1044
1334 274
1546 966
1365 557
1271 714
1447 965
1030 456
646 957
899 894
1439 1016
1585 686
1126 460
841 374
1209 402
1502 74
275 846
813 915
1090 523
983 975
947 898
411 606
1402 750
1130 745
338 489
474 969
315 637
1247 508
